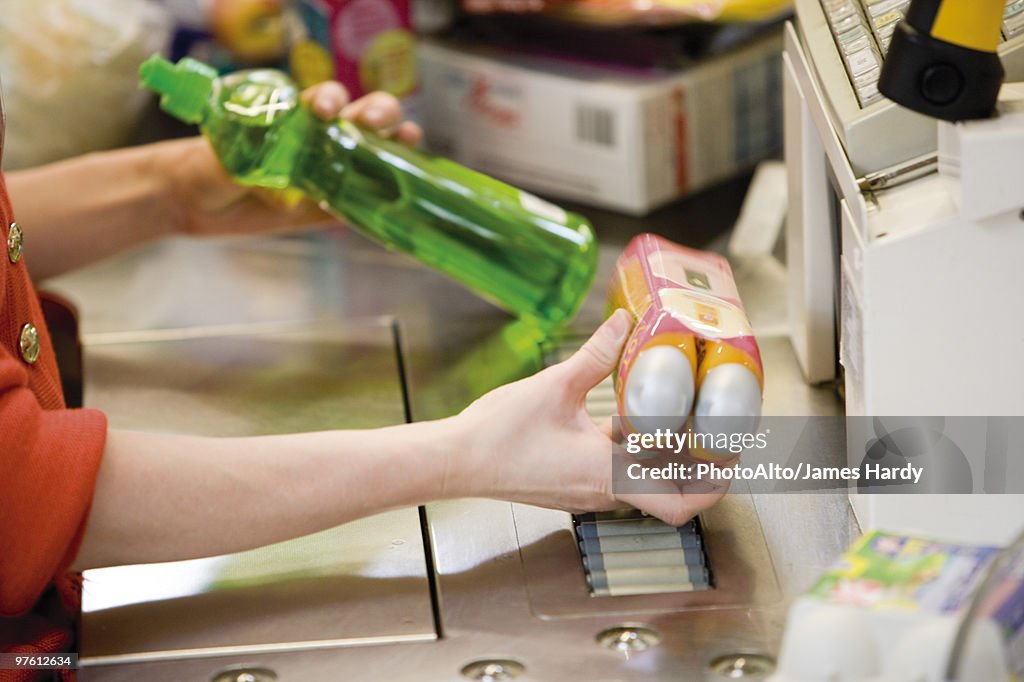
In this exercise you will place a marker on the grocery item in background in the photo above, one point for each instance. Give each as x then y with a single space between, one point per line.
691 347
668 12
625 139
889 610
68 69
252 31
524 254
230 34
365 44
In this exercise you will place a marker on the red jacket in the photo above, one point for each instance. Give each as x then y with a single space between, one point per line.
49 457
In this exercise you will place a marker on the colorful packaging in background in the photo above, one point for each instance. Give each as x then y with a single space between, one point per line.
642 12
528 256
367 45
669 12
890 607
884 571
691 347
625 139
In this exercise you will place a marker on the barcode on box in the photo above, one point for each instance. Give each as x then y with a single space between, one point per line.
595 124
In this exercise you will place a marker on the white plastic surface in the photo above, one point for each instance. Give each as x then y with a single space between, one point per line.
763 212
983 159
829 644
978 519
809 250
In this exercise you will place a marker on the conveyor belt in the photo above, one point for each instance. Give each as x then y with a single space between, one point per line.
626 552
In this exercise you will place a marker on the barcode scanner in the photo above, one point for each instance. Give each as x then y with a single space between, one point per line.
942 61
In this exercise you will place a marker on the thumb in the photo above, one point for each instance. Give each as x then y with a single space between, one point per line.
598 356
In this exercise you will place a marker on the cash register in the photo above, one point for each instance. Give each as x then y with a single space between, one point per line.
904 233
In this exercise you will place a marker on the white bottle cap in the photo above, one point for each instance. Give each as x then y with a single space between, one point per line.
659 390
729 401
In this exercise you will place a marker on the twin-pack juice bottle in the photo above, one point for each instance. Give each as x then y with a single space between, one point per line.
691 348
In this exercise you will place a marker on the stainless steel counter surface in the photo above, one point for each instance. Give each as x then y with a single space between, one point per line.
507 583
254 379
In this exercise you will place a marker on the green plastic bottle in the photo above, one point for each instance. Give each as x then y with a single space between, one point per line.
520 252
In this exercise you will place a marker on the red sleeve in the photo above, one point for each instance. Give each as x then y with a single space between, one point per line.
48 465
49 455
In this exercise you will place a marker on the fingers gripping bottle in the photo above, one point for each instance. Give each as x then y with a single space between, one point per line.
520 252
691 348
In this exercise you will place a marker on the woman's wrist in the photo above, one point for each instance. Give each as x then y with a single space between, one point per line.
452 465
475 464
180 169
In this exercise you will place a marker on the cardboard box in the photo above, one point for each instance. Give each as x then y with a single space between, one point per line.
628 141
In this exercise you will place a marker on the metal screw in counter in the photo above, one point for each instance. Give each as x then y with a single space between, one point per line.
742 666
628 639
493 670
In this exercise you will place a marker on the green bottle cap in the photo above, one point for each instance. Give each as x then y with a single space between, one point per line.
184 87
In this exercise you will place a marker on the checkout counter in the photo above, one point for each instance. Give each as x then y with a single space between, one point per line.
240 337
325 331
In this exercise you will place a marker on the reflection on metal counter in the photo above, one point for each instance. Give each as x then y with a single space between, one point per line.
458 589
248 380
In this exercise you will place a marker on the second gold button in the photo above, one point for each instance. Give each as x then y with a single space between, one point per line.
29 343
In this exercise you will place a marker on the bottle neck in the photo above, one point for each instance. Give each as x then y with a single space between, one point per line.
184 88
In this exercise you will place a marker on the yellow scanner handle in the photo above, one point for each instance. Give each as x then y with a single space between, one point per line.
974 24
942 60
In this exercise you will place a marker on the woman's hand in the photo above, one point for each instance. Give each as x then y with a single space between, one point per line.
532 441
206 201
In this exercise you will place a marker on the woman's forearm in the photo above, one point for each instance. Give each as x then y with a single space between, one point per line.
162 497
84 209
81 210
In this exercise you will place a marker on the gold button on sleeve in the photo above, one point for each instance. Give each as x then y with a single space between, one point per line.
15 239
28 343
